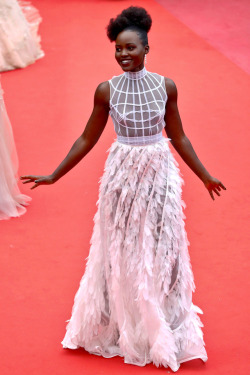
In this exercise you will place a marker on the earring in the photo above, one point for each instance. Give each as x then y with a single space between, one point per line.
145 60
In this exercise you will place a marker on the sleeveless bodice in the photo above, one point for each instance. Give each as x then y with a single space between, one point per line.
137 107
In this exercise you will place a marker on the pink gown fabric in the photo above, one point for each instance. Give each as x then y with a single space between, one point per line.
135 297
19 39
12 202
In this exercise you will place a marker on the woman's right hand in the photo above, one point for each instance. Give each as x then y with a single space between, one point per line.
38 180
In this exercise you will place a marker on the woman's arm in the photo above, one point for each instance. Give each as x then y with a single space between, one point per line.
84 143
182 144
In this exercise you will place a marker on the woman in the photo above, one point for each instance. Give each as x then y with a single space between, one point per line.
19 39
135 298
12 202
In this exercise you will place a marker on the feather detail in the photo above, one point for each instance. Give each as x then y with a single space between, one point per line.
135 298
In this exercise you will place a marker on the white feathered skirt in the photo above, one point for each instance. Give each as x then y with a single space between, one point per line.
135 298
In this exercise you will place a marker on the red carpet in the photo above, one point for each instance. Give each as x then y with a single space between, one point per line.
223 24
43 253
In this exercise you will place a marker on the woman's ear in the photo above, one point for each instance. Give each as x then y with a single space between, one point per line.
147 49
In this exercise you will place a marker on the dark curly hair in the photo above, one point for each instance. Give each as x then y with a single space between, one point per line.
132 18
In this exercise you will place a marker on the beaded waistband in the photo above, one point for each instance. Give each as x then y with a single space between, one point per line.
140 141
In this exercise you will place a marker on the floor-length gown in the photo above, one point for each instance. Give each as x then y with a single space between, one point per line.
135 297
19 39
12 202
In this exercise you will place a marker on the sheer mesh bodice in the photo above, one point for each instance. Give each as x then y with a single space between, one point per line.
137 107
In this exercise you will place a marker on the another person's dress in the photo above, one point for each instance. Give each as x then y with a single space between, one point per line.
19 39
12 202
135 298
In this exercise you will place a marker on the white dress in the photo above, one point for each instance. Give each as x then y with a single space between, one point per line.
12 202
135 297
19 39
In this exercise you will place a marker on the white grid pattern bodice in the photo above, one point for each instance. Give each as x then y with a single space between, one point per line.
137 107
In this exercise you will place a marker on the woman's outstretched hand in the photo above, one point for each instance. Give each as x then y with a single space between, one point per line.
38 180
213 186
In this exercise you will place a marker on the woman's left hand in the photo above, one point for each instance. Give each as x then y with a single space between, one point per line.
213 186
38 180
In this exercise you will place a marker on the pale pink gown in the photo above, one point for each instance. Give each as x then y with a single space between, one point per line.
135 297
12 202
19 39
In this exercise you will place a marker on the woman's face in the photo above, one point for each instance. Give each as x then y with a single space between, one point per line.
129 51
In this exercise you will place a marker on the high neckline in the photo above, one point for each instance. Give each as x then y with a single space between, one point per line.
136 75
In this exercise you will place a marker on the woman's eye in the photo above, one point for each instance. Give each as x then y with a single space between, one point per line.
118 49
130 48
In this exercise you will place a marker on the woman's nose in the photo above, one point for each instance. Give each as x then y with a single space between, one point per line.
124 52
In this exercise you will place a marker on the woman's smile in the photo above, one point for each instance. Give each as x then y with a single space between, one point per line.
126 62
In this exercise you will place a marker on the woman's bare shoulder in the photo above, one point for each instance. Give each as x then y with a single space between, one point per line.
170 88
102 93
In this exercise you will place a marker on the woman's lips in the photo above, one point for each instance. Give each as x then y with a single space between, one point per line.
125 62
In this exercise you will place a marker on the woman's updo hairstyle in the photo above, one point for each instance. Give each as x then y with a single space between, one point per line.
133 18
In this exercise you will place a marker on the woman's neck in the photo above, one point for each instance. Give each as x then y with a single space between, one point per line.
136 75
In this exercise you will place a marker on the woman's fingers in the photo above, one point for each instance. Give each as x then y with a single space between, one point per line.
38 182
216 191
27 179
211 194
223 187
34 186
